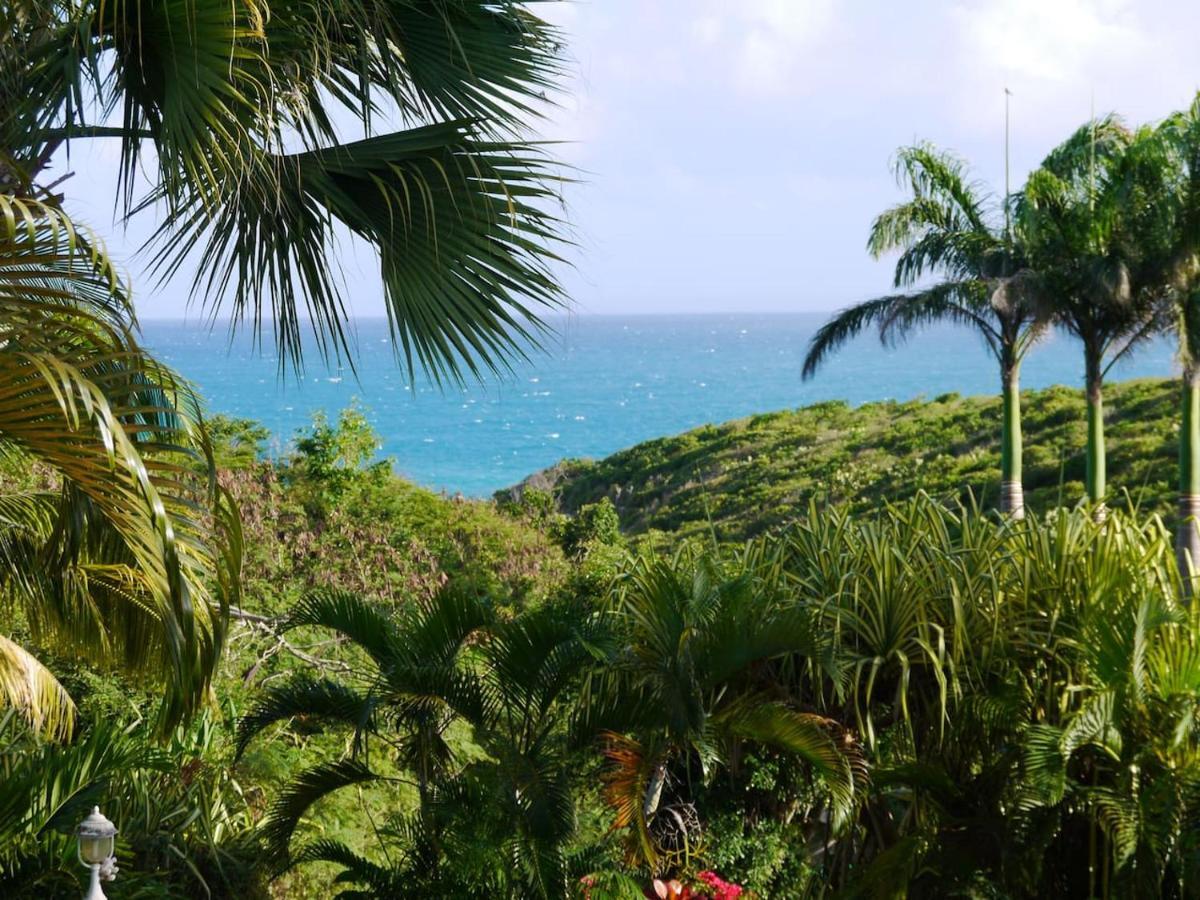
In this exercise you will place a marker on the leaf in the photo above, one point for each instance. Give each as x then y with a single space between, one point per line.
32 690
294 801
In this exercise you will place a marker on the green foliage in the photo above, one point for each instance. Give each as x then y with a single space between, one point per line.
331 459
594 524
185 819
496 821
237 444
755 475
117 544
259 191
925 696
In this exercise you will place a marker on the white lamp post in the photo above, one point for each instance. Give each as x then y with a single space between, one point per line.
96 837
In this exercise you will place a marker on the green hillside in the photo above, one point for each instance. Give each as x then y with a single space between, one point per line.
749 475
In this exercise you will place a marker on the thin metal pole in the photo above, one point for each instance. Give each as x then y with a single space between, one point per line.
1092 166
1007 188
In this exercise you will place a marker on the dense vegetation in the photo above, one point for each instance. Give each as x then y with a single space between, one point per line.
282 676
742 478
326 516
122 573
924 695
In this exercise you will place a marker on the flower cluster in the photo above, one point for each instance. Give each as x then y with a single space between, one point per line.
709 886
718 888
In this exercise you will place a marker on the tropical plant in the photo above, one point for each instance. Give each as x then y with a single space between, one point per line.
120 546
238 107
130 552
185 824
1026 699
954 230
691 682
1089 215
1174 274
240 110
495 815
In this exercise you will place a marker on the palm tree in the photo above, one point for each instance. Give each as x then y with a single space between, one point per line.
1087 215
954 231
124 549
1174 249
689 682
239 111
235 112
498 824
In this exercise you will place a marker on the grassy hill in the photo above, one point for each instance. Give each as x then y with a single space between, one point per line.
749 475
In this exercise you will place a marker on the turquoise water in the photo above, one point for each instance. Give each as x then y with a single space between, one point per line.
605 383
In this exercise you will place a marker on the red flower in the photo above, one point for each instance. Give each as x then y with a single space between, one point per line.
721 889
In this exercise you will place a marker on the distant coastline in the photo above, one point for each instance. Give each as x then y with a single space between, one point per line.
603 384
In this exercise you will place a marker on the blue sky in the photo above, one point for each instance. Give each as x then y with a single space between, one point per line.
735 151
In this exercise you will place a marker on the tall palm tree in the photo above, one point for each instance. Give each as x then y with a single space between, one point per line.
954 231
1087 215
1175 273
236 113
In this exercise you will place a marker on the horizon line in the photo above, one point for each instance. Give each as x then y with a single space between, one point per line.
559 314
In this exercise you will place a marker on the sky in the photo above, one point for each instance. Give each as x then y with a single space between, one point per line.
733 153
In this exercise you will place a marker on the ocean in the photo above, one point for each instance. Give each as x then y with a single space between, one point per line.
602 383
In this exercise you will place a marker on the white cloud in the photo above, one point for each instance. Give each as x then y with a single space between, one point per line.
1055 40
764 40
1057 56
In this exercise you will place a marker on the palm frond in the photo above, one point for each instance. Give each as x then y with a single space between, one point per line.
32 690
294 801
355 869
840 764
124 434
461 226
306 698
896 316
350 616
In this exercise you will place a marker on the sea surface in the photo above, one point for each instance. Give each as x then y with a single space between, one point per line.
600 384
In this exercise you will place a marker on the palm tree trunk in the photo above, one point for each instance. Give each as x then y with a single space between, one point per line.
1096 461
654 789
1187 531
1012 495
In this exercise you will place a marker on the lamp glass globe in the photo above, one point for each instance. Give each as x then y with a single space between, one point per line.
95 850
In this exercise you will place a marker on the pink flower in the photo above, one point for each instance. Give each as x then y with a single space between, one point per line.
721 889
